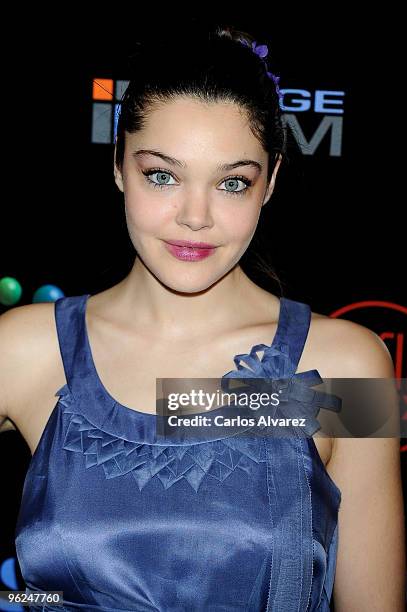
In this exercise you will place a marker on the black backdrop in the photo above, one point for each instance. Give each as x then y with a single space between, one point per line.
338 238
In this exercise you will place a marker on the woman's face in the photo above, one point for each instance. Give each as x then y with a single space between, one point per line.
184 195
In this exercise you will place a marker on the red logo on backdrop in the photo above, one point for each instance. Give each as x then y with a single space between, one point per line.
388 321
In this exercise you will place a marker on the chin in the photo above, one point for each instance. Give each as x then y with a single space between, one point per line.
192 280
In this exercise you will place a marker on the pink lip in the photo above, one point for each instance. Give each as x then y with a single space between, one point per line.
189 243
188 251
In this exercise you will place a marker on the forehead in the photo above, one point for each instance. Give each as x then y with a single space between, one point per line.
192 128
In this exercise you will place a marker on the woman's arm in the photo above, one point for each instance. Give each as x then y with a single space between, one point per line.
5 366
371 565
22 351
5 423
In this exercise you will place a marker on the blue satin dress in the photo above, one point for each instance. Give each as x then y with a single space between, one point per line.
119 522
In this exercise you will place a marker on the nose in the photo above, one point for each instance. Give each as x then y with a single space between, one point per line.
194 211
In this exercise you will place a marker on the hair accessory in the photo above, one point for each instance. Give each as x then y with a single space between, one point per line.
262 52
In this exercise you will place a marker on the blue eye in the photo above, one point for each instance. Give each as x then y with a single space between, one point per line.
232 179
235 179
161 173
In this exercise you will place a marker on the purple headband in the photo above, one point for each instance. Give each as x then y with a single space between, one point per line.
262 52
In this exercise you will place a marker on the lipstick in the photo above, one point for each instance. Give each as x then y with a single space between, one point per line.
186 250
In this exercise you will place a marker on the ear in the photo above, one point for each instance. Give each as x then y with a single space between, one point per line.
118 178
272 182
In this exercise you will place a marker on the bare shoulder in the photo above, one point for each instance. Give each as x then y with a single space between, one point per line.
345 349
29 355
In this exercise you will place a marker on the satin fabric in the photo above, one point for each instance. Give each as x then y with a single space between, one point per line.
118 520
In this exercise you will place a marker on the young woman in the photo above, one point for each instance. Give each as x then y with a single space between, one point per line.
120 521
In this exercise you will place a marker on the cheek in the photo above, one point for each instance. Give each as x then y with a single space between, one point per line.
145 214
239 223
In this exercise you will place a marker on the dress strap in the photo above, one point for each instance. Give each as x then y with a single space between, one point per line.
69 319
293 326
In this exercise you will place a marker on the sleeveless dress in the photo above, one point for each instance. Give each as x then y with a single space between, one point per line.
119 522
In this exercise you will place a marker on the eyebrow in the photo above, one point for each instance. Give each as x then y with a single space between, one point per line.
176 162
